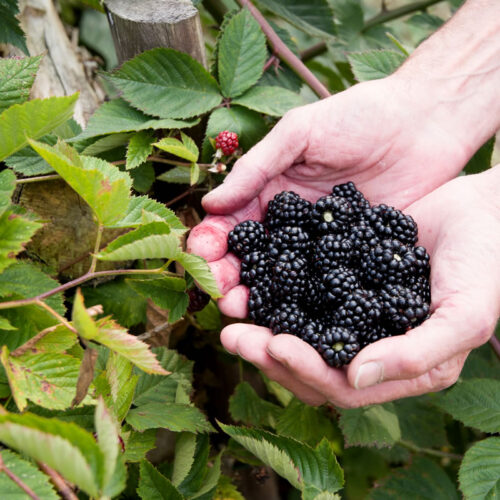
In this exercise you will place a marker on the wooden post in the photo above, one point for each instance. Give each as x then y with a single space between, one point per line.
142 25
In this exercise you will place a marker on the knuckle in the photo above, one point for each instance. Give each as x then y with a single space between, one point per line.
412 364
444 376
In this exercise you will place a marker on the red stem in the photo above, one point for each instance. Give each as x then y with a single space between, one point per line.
495 345
17 480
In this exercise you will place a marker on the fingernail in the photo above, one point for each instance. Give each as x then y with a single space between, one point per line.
369 374
271 353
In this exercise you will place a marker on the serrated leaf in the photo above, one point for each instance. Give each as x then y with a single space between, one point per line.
49 380
315 17
118 116
158 389
114 337
226 490
65 447
28 162
137 444
167 293
7 186
107 143
180 175
209 485
82 320
31 476
150 241
375 425
143 177
167 83
249 125
122 383
175 147
155 486
374 64
103 186
173 416
32 119
140 205
16 78
479 473
139 148
25 281
422 479
246 406
209 318
194 174
297 462
198 268
10 30
5 324
476 403
60 339
15 231
273 101
241 54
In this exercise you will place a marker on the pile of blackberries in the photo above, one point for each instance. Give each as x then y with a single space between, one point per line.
339 273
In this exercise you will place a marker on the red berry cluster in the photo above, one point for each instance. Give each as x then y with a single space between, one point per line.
227 142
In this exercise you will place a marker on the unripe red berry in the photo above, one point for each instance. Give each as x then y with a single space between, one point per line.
227 142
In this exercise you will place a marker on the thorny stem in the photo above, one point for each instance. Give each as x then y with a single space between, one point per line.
57 480
284 53
17 480
382 17
93 265
429 451
495 345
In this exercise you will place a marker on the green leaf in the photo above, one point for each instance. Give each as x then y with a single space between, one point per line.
315 17
139 148
143 177
194 174
32 119
103 186
30 475
28 162
167 83
118 116
209 317
241 54
82 320
65 447
375 425
150 241
374 64
173 416
180 175
479 473
482 159
249 125
155 486
167 293
5 324
59 340
142 205
137 444
186 149
10 30
422 479
246 406
49 380
16 78
284 396
476 403
227 490
198 268
7 186
304 467
159 389
274 101
25 280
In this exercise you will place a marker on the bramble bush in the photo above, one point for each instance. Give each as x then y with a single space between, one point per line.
102 364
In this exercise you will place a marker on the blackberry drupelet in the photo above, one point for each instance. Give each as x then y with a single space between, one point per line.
403 308
389 222
311 332
288 318
254 268
290 276
421 286
260 302
287 209
332 214
288 238
246 237
356 198
338 283
331 250
338 346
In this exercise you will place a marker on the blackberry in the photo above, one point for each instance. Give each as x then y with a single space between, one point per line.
288 238
356 198
254 268
331 214
288 318
330 251
390 261
311 332
402 307
290 276
260 303
391 223
287 209
360 313
246 237
338 284
422 264
362 238
381 333
421 286
338 346
198 299
313 298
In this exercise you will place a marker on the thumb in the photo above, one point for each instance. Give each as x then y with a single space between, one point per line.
280 149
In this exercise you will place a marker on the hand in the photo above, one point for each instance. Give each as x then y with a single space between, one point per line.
459 224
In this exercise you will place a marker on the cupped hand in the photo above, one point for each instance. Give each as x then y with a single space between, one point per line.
459 224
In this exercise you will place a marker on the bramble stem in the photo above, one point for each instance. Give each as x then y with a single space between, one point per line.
495 345
17 480
56 315
38 178
430 451
57 480
93 265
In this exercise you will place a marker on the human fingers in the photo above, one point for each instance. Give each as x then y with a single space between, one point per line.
234 303
250 342
280 149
